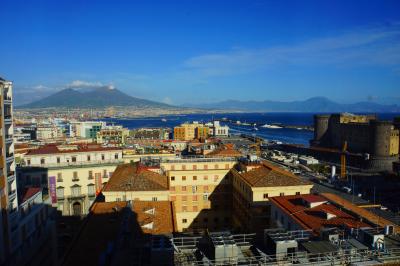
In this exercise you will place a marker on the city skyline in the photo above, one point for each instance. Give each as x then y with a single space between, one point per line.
171 52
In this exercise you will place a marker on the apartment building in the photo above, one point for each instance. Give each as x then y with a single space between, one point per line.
218 130
112 135
22 224
8 184
191 131
254 183
200 191
85 129
72 174
48 132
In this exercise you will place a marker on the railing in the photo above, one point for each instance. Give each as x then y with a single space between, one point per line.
75 179
12 193
198 159
7 116
77 164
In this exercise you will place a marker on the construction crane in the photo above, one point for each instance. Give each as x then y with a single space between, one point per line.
343 161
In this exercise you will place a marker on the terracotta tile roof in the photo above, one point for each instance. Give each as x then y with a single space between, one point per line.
100 228
30 192
315 218
159 214
224 151
54 149
135 177
371 217
271 176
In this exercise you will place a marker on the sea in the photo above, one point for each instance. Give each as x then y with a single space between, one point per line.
285 135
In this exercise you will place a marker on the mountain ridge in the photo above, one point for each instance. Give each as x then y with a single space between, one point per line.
93 98
314 104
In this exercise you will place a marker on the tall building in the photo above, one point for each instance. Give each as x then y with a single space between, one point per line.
377 140
27 230
8 184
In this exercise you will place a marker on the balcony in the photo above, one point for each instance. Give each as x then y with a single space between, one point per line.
10 176
7 99
9 157
79 164
76 179
12 194
9 138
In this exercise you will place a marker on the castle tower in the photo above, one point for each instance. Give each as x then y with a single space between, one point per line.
321 124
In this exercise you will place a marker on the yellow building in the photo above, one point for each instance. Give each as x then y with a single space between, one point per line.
207 193
253 185
192 131
200 191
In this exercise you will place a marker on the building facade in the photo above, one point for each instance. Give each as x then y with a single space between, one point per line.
72 174
364 134
191 131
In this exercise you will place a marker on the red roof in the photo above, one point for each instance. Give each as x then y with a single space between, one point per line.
30 192
315 218
53 148
311 198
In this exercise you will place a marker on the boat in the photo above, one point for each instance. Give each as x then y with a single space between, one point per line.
164 120
255 128
271 126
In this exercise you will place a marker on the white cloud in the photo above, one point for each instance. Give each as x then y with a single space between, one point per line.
366 46
80 84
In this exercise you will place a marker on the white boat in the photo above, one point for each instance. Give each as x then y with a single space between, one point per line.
271 126
164 120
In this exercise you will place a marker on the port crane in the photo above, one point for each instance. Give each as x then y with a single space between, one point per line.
343 161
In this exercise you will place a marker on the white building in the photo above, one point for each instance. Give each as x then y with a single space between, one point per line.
86 129
217 130
73 174
49 131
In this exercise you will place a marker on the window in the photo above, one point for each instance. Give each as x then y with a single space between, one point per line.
281 194
184 198
60 192
173 198
42 161
28 162
75 191
91 190
205 188
172 167
102 157
195 208
73 159
183 167
88 157
75 176
183 178
105 173
58 159
205 196
184 221
184 208
154 199
194 178
116 156
297 193
59 177
194 189
172 188
205 166
183 188
216 166
172 178
205 177
194 167
194 197
265 196
90 176
226 166
215 178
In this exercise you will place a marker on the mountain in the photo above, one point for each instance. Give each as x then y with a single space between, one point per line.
316 104
93 98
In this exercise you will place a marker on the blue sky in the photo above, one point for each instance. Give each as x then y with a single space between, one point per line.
204 51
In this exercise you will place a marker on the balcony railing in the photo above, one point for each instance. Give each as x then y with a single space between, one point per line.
77 164
7 116
12 194
75 179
